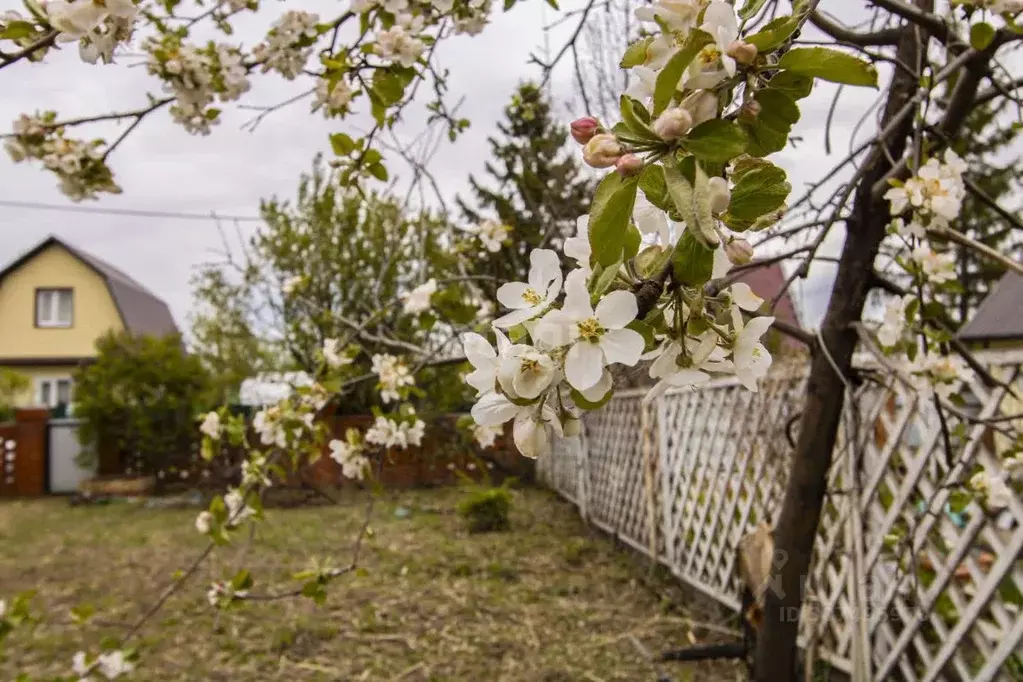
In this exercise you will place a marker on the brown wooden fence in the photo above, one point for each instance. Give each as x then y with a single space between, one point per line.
23 456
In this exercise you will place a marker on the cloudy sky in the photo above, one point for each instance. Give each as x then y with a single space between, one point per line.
162 168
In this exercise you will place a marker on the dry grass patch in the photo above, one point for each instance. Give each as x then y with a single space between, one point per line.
545 602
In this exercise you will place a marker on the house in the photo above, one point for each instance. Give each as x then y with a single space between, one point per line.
55 302
998 322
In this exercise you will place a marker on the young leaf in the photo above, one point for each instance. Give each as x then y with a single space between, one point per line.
773 34
769 133
792 84
609 216
830 65
651 182
750 8
633 119
716 140
636 54
981 35
342 144
693 262
692 201
758 190
671 74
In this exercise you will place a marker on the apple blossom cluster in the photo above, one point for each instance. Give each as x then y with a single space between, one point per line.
289 43
98 26
333 96
222 593
491 233
197 77
395 378
350 455
80 165
418 300
401 43
110 665
999 490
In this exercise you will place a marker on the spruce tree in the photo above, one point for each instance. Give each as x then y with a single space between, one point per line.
535 185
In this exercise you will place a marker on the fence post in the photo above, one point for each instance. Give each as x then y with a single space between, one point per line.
649 473
582 467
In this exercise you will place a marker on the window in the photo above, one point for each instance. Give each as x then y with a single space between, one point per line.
54 392
54 307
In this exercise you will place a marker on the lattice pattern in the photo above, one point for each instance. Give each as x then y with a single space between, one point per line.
899 583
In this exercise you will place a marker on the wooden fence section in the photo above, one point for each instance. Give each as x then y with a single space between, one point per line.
904 585
23 461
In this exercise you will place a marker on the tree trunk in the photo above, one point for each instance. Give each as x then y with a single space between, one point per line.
796 526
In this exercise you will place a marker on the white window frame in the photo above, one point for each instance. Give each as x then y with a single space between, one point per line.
52 384
47 308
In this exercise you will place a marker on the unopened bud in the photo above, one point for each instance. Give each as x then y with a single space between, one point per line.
720 195
573 427
628 165
602 151
583 129
742 52
701 105
673 124
749 111
739 251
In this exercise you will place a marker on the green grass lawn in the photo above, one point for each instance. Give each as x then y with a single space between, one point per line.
547 601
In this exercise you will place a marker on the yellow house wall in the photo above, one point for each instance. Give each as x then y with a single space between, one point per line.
94 312
27 398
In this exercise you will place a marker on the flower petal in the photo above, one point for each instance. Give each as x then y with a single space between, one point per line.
597 392
517 317
744 297
493 409
622 346
584 364
617 309
721 264
530 436
511 295
577 299
478 350
544 268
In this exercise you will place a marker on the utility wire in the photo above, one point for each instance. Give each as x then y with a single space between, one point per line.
137 213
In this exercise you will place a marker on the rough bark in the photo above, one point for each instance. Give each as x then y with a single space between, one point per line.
796 526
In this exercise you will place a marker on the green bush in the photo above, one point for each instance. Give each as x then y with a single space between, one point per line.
486 508
11 385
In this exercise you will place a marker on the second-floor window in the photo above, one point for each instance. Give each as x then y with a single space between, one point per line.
54 307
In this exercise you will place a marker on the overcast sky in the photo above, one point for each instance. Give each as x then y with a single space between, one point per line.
162 168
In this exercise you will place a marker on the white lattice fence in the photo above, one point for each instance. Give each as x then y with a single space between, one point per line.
900 580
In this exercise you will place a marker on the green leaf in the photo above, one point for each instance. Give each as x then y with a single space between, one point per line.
981 36
760 187
769 133
750 8
774 34
651 260
671 74
582 402
342 144
609 216
15 30
82 613
693 262
644 330
830 65
242 580
378 171
604 280
651 181
792 84
553 4
692 200
633 240
716 140
633 119
388 87
636 54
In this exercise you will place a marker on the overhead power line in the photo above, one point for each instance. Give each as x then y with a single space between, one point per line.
136 213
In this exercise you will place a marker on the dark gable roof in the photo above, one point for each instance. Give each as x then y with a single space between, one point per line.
142 312
1000 315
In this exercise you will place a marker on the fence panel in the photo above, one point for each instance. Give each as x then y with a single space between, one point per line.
903 585
65 473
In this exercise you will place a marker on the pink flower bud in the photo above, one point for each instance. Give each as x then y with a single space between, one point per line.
749 111
739 251
701 105
673 124
742 52
602 151
629 165
720 195
583 129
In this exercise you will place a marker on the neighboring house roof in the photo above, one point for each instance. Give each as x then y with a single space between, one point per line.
766 282
141 311
1000 315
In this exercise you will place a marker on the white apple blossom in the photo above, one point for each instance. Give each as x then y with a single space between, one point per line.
742 295
237 508
292 284
936 267
388 433
288 44
267 424
484 360
525 372
113 664
394 375
418 300
750 357
491 233
527 300
597 338
332 354
399 43
349 455
98 26
578 247
936 191
894 322
642 80
254 471
203 522
222 593
486 436
651 220
211 426
713 64
996 492
333 97
940 374
679 15
530 423
79 664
